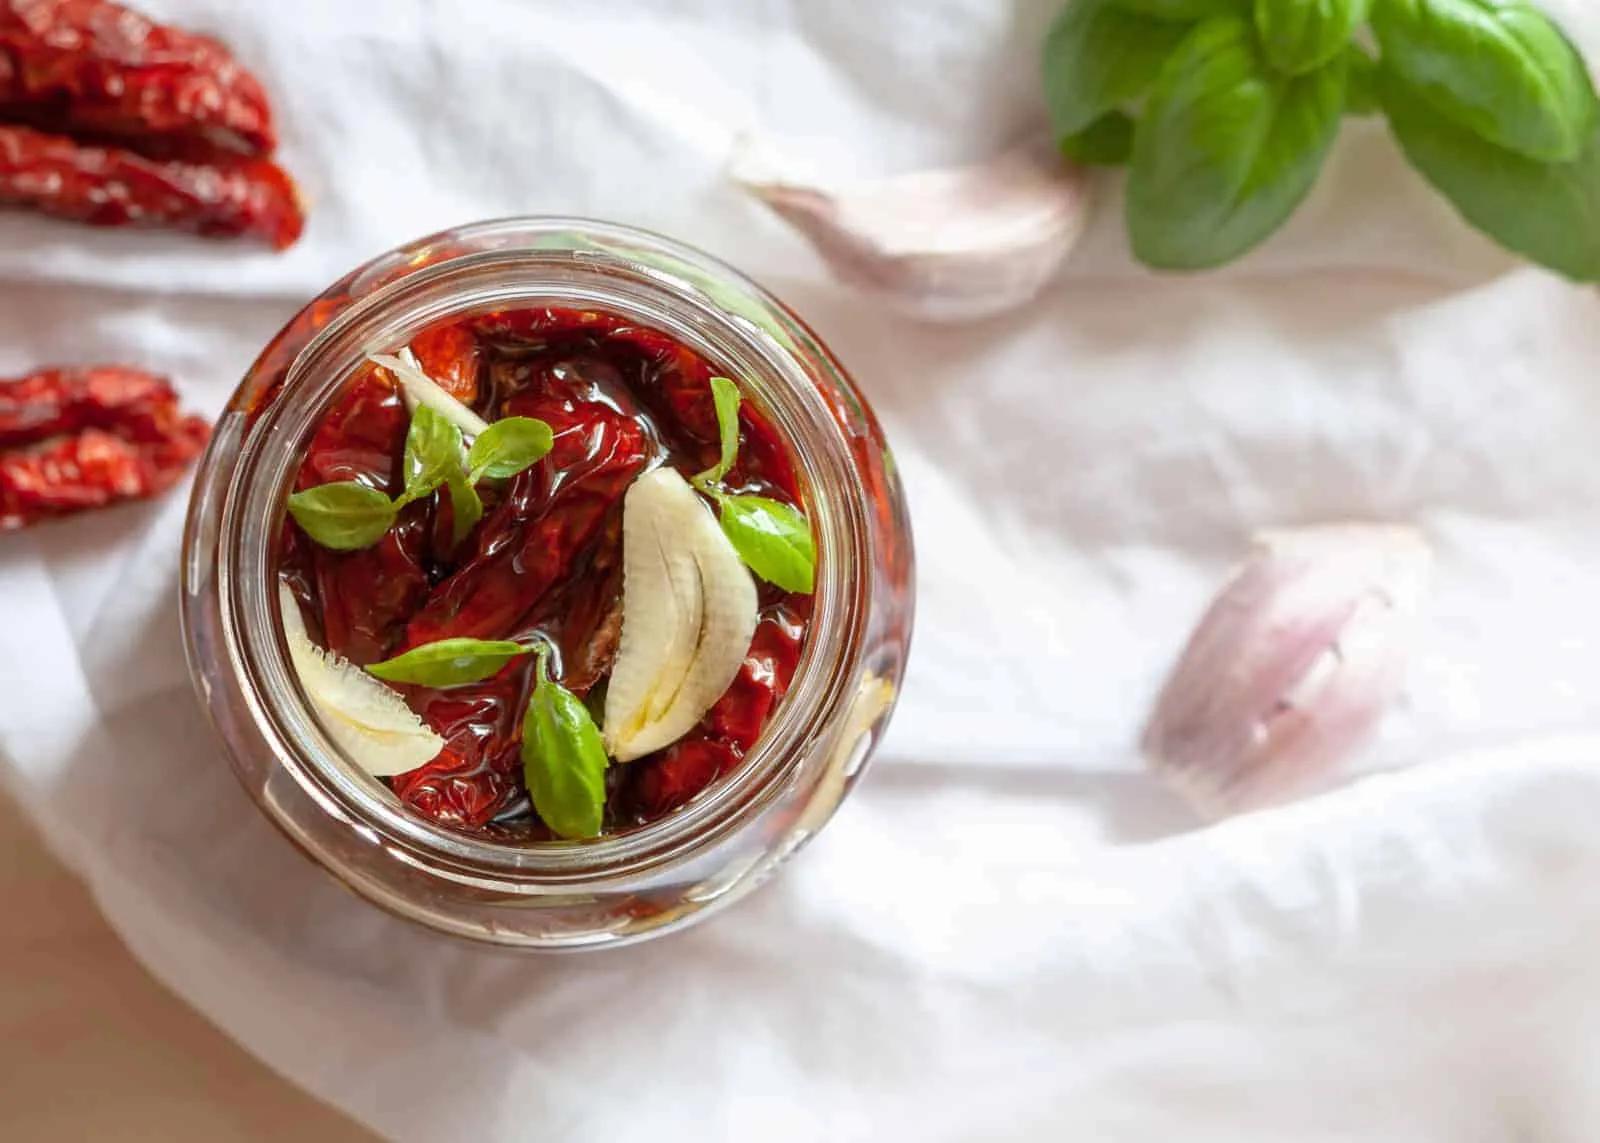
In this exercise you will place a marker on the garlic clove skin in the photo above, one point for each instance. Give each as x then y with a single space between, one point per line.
689 610
943 245
1293 665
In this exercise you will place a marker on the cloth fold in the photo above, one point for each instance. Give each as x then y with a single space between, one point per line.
1011 931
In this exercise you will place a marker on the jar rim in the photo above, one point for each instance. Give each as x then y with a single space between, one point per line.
666 285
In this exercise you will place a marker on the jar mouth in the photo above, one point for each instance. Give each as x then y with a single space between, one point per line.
704 304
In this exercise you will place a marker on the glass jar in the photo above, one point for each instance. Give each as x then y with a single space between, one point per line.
558 895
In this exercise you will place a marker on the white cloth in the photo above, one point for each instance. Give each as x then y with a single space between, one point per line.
1010 931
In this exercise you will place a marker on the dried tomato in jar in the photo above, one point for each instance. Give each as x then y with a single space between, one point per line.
569 584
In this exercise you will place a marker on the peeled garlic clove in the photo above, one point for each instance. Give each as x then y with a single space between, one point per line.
688 615
944 245
368 721
419 389
1292 666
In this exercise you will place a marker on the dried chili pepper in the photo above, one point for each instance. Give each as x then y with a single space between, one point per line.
134 404
92 469
92 66
110 186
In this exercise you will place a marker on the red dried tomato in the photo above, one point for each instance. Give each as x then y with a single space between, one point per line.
92 469
109 186
88 65
367 596
135 404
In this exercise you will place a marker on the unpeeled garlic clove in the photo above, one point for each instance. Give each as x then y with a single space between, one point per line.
943 245
1293 665
370 722
688 615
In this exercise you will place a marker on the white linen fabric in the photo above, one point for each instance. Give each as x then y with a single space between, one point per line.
1011 931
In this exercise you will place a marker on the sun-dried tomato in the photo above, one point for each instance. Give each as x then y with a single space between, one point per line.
449 354
88 65
549 517
91 469
654 788
367 596
112 186
134 404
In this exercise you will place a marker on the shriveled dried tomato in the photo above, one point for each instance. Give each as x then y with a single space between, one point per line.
135 404
367 596
549 517
89 65
450 355
110 186
91 469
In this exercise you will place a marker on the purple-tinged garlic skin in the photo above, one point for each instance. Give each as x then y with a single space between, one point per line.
943 245
1293 665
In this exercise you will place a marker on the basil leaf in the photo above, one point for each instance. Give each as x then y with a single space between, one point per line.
1549 212
1107 142
1226 149
1099 57
725 395
1298 36
343 516
466 507
433 452
563 758
1184 9
1498 67
773 539
449 662
508 446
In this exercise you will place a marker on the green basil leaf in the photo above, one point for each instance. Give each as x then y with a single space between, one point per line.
563 759
1099 57
1498 67
773 539
433 452
1184 9
1549 212
466 507
1226 150
508 446
343 516
1361 86
449 662
1298 36
1107 142
725 395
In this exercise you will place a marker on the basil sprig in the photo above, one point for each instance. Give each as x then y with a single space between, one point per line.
1225 110
563 758
348 515
449 662
772 538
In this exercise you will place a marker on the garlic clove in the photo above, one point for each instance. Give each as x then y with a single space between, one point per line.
417 388
1293 665
943 245
370 722
688 615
